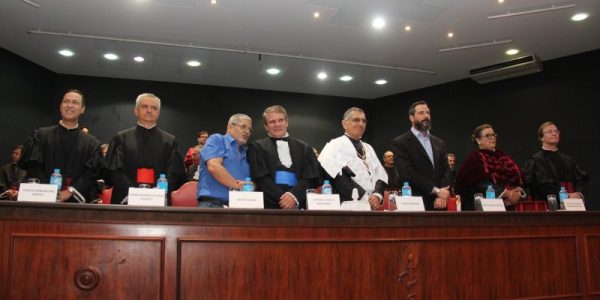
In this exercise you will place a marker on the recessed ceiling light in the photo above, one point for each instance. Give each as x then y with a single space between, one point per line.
512 51
346 78
111 56
579 17
381 81
194 63
139 58
500 1
322 75
378 23
407 28
66 52
450 34
316 14
273 71
213 1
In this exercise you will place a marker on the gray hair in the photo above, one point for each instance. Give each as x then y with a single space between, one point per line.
139 98
235 119
274 109
350 110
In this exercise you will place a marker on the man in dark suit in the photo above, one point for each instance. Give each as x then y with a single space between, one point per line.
420 159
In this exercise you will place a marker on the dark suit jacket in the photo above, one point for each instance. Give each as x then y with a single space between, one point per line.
414 166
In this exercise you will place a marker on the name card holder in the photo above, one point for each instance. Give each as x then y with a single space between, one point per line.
37 192
574 204
246 200
146 197
323 202
492 205
412 203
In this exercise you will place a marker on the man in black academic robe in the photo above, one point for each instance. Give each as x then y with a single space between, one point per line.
65 147
282 167
11 175
144 146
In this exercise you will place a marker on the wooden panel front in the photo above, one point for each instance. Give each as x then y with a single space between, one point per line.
72 267
593 254
288 270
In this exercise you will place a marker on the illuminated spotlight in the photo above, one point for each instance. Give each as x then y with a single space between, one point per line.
66 52
346 78
138 58
322 75
194 63
407 28
111 56
381 82
213 1
316 14
579 17
512 51
450 34
273 71
378 23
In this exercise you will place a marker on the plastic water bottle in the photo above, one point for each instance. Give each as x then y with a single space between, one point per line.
326 188
562 195
162 183
490 193
406 190
248 185
56 178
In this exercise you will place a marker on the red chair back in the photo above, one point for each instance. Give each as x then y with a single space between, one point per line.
186 195
106 195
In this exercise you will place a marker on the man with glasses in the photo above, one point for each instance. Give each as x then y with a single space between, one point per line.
223 164
283 167
549 169
421 159
352 163
139 155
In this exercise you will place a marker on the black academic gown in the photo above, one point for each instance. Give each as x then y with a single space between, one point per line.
264 161
139 147
76 154
11 174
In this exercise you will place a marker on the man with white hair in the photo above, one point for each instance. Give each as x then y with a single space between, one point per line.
140 154
223 164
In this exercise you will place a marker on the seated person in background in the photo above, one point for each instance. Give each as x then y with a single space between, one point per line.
487 165
104 148
64 146
390 169
223 164
193 170
189 156
143 149
549 169
11 175
352 163
283 167
451 172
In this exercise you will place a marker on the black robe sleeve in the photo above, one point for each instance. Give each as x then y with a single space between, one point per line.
32 158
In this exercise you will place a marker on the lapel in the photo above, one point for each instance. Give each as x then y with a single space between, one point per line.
417 145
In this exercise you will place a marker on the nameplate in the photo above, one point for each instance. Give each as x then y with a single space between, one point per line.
412 203
146 197
362 205
246 200
323 202
572 204
37 192
492 205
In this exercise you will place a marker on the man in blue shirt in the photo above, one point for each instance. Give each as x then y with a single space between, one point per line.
223 164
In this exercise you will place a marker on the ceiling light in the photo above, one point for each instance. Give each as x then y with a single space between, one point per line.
500 1
316 14
579 17
407 28
380 82
138 58
512 51
450 34
213 1
194 63
378 23
66 52
346 78
322 75
273 71
111 56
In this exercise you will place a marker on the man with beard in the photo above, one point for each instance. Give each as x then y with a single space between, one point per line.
420 159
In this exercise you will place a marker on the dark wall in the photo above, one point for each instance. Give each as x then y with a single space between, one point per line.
566 92
26 94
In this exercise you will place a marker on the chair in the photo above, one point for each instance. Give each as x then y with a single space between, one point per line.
186 195
106 195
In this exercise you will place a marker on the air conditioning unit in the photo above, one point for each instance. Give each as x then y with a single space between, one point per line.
507 69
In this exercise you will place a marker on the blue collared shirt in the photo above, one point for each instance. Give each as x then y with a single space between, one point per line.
234 161
423 138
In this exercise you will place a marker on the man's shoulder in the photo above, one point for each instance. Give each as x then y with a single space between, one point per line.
404 137
47 129
166 134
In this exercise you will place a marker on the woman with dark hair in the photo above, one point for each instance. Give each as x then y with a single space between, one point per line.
486 166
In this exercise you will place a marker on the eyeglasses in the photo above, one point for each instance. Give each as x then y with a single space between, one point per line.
552 131
358 120
490 135
243 127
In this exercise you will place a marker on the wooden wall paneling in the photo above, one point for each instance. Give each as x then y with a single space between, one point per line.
592 254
